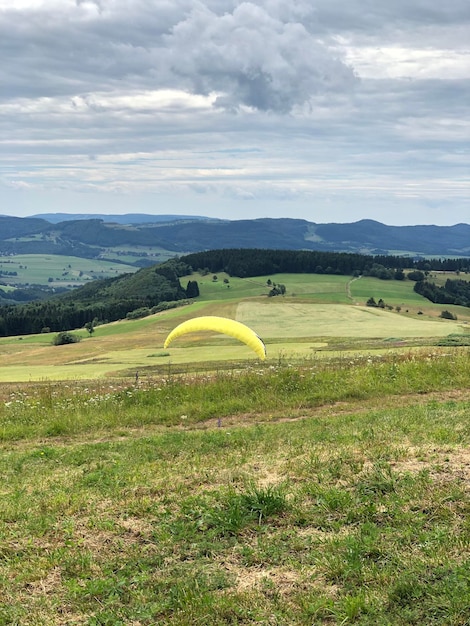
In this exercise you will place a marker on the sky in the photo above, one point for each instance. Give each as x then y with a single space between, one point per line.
324 110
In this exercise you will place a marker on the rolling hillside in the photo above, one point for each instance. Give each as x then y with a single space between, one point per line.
169 235
165 284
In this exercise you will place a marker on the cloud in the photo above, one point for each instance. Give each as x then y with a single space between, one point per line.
248 54
354 104
253 58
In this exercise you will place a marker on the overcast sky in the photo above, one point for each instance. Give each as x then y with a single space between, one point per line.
327 110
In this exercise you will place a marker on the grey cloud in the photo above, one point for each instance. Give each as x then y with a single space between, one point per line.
253 58
66 50
424 23
248 55
384 15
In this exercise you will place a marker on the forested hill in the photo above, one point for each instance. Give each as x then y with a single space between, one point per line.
182 234
102 300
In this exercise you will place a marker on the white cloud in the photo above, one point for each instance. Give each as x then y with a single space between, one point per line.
400 62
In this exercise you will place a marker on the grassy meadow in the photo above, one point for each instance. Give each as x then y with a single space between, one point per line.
328 484
65 271
320 317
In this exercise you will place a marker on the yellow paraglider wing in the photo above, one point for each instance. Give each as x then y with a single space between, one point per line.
220 325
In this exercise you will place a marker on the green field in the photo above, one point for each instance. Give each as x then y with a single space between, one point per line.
297 327
65 271
317 287
440 277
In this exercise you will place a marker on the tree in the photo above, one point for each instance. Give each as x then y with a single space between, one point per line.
399 274
377 270
90 328
137 314
277 290
416 275
192 289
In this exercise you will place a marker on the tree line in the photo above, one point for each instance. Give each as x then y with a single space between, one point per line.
246 263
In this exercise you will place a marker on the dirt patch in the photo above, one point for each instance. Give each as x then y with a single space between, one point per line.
137 528
48 584
269 478
442 464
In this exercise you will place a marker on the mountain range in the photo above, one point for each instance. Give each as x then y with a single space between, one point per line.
89 236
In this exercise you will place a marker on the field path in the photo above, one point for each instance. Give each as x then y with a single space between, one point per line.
348 287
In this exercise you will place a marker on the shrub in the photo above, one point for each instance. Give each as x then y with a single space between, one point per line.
136 314
64 338
447 315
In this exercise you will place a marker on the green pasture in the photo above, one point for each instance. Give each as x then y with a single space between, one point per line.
130 254
320 321
64 270
276 319
235 288
393 292
291 329
319 287
440 278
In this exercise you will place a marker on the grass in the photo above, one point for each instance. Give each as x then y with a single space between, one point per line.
344 502
294 327
327 485
440 278
172 400
314 287
275 319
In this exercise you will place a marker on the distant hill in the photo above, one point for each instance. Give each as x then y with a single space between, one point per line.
94 236
369 235
126 218
19 226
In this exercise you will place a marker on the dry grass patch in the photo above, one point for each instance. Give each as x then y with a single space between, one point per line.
443 464
284 581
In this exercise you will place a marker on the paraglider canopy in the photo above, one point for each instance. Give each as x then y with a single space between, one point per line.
220 325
